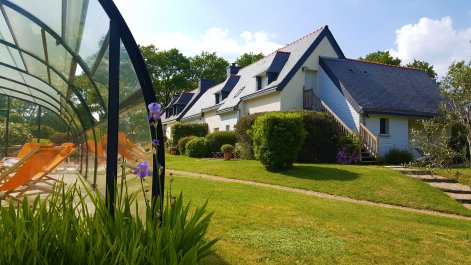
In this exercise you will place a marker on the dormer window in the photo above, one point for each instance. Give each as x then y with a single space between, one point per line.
217 98
259 82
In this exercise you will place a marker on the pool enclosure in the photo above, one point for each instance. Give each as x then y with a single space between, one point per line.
71 71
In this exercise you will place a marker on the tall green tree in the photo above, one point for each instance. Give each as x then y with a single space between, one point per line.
248 58
208 66
456 90
381 57
170 71
428 68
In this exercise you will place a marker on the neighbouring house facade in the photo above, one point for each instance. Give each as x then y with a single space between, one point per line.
380 102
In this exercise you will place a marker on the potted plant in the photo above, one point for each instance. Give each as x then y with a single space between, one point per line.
227 149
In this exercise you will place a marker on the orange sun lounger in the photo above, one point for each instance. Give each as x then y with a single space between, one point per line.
35 169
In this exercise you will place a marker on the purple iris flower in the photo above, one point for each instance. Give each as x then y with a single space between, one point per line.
143 169
154 111
155 142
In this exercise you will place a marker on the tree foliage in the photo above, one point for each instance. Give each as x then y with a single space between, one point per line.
456 90
381 57
208 66
169 70
428 68
248 58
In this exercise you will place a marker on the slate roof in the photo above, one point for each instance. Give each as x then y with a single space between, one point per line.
184 98
206 100
296 52
373 88
187 97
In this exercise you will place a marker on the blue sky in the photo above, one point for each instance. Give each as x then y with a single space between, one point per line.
431 30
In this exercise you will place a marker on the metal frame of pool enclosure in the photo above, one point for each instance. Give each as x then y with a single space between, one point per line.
77 60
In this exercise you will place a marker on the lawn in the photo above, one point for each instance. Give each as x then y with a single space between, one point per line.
463 175
373 183
262 225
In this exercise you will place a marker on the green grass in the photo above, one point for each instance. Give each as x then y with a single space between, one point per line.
262 225
462 175
373 183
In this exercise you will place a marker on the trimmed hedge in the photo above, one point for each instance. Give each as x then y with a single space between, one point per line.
398 156
182 143
277 139
197 147
320 143
181 130
243 130
217 139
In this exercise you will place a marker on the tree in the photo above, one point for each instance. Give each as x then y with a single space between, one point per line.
381 57
169 70
248 58
456 90
428 68
208 66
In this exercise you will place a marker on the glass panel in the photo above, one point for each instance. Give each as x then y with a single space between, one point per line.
94 32
26 32
58 56
6 56
36 68
4 30
10 73
75 10
15 54
48 11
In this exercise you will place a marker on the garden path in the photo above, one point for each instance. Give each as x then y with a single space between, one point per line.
315 193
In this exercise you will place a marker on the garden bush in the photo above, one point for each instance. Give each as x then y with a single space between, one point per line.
217 139
277 138
243 133
181 130
197 147
19 133
182 143
16 118
59 138
320 143
398 157
62 230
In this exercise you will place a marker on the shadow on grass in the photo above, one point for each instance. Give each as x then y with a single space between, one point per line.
214 259
313 172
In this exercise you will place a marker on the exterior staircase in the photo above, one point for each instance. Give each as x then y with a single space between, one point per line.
369 153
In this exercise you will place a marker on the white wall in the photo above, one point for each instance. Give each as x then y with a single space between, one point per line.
330 94
213 120
229 118
269 102
292 94
398 132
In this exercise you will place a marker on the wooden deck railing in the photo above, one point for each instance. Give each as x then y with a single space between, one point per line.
342 128
369 141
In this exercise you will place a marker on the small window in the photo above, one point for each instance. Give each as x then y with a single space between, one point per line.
216 129
238 92
217 98
259 82
228 127
383 126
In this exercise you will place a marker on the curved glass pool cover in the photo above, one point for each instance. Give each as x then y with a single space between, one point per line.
73 65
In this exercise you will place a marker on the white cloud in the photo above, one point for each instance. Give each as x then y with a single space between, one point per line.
434 41
217 40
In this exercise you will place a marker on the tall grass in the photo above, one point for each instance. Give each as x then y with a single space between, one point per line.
63 230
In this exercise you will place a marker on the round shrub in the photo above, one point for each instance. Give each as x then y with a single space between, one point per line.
398 156
277 138
59 138
227 148
16 118
217 139
182 143
197 147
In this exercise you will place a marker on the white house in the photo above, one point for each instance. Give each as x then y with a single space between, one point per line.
380 102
